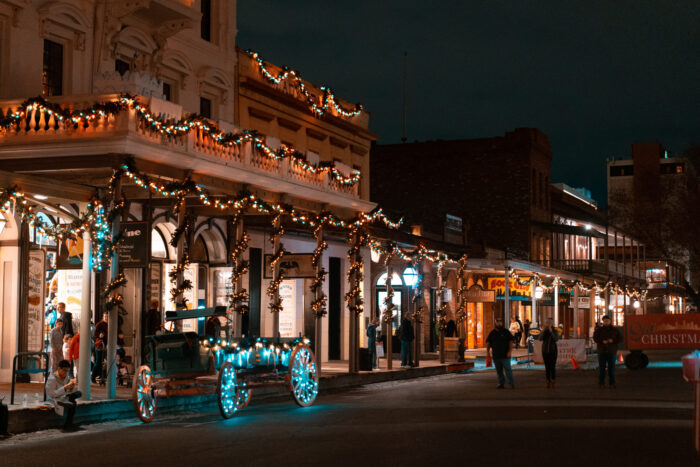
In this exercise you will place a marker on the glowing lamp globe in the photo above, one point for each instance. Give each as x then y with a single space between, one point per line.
539 292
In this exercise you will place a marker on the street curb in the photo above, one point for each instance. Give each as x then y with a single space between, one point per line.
30 419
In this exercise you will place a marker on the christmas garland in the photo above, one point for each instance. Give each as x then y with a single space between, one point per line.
327 98
358 238
273 290
461 314
239 298
318 305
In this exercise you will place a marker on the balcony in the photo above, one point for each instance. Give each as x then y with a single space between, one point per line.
43 135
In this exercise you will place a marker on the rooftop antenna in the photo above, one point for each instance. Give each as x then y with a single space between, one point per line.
403 125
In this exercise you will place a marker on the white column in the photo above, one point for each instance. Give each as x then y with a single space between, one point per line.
85 316
533 287
556 304
506 300
576 319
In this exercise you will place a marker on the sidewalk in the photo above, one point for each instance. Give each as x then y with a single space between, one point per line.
334 377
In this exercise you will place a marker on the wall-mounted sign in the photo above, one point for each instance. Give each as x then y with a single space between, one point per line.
584 302
288 314
453 223
475 294
548 299
294 266
70 254
516 290
35 300
133 249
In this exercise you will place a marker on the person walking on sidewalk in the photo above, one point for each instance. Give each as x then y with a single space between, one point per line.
101 331
61 393
56 341
372 341
607 337
549 351
74 353
406 336
499 345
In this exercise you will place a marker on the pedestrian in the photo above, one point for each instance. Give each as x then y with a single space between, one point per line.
451 328
66 349
607 337
74 353
526 327
406 336
549 351
153 319
68 327
101 330
56 342
499 345
372 341
514 331
61 393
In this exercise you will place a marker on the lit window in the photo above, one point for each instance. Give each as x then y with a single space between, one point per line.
52 75
395 280
410 277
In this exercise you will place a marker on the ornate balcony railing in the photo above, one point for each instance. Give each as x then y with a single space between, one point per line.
56 136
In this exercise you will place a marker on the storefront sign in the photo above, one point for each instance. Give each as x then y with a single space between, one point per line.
584 302
516 290
35 300
566 348
133 249
70 289
294 266
288 315
548 299
476 294
663 331
453 223
70 254
156 281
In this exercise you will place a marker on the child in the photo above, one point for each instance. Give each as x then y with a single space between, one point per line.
66 346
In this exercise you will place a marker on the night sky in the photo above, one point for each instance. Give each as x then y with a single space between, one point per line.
595 76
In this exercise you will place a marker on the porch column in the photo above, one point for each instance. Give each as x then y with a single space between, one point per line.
274 291
181 259
576 323
354 297
417 301
592 310
556 308
113 325
533 289
318 306
239 295
441 307
506 299
388 312
85 317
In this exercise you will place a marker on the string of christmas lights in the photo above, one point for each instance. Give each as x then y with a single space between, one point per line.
318 305
273 291
239 297
327 97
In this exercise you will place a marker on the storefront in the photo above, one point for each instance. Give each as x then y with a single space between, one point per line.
480 304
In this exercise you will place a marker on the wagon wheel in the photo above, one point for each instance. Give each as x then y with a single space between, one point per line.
303 376
144 394
226 390
242 397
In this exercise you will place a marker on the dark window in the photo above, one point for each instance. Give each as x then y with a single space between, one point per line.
539 180
672 168
205 107
167 93
121 66
52 75
534 187
621 170
545 192
206 20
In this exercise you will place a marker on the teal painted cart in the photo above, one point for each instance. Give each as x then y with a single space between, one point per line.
186 363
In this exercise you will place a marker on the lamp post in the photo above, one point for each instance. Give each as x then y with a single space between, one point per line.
539 292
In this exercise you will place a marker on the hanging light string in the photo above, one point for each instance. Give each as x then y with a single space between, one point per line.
389 298
557 281
462 290
169 128
327 101
318 305
416 299
239 297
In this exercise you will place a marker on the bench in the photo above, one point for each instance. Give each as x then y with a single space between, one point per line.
29 369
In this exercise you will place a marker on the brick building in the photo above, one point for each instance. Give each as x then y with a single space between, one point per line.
499 186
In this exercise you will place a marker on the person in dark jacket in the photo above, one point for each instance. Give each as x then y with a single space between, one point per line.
406 337
607 337
451 328
549 351
372 341
499 344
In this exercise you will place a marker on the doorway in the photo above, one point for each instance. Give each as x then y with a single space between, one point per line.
334 308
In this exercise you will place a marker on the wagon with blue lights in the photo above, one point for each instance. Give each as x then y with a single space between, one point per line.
187 363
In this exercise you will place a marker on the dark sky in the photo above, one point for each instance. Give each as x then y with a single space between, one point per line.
595 76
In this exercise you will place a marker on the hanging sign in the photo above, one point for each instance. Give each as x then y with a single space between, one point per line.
584 302
288 314
35 300
663 331
294 266
475 294
70 253
133 249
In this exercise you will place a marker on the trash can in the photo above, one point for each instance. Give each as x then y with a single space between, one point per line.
365 360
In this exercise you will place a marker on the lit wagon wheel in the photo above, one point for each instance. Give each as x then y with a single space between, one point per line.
226 390
303 375
144 394
242 397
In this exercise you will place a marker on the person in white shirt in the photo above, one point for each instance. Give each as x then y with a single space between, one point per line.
61 392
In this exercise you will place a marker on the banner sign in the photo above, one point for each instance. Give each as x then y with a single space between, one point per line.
566 348
663 331
133 250
548 299
294 266
70 253
516 290
584 302
35 300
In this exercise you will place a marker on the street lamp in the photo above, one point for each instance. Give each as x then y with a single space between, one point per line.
671 308
636 304
539 292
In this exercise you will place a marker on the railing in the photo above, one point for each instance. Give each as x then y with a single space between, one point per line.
41 127
595 266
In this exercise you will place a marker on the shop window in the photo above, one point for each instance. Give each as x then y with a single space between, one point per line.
121 66
158 247
52 74
167 92
205 107
206 20
199 253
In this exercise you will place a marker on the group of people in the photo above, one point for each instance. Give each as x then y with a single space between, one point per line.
520 331
500 343
406 335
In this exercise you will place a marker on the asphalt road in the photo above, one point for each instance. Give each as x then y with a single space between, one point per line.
445 420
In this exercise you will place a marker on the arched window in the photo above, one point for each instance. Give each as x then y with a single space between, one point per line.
410 277
395 280
158 247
